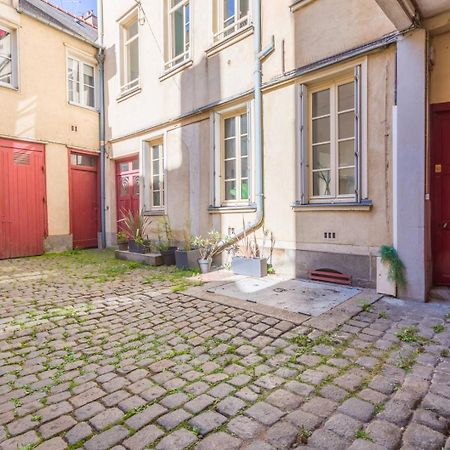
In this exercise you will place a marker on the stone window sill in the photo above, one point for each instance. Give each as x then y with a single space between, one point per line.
238 209
229 41
300 4
365 205
176 69
126 95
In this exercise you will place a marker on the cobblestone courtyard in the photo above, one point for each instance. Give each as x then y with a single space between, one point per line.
99 354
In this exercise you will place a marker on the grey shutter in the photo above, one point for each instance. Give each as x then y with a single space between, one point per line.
358 134
303 146
143 174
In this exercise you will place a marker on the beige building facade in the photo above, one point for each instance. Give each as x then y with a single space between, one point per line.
345 124
48 100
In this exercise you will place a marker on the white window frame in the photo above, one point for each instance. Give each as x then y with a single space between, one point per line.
147 174
353 71
171 60
223 31
127 85
14 84
218 144
81 63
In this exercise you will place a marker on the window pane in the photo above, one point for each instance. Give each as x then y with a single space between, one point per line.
135 164
321 156
5 43
187 25
346 94
244 146
230 127
136 184
156 198
124 186
243 8
347 153
244 190
230 190
5 70
88 75
155 152
228 11
244 167
133 60
230 169
244 124
132 30
347 181
156 167
321 103
123 166
88 97
178 32
321 183
346 125
321 130
230 148
83 160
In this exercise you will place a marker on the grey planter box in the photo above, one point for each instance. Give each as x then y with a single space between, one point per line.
150 259
252 267
187 259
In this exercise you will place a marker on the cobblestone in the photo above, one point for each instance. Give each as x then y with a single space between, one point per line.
126 365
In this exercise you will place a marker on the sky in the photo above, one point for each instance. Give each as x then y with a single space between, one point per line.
77 7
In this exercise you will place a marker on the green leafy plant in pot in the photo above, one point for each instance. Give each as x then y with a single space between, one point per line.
165 242
136 227
187 255
208 248
122 241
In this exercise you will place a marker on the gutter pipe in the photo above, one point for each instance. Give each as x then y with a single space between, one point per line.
102 125
260 55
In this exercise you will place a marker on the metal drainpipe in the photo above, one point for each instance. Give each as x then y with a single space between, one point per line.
101 64
260 55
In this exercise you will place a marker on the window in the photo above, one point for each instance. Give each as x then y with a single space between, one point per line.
178 50
81 79
233 15
236 159
8 61
333 149
78 159
130 54
157 187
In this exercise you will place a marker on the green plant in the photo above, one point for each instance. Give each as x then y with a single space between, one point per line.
396 273
445 352
362 434
211 245
136 226
365 306
382 315
409 334
122 237
36 418
303 435
438 328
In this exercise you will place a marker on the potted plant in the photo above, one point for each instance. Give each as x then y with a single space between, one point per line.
208 248
165 242
249 259
135 227
188 255
122 241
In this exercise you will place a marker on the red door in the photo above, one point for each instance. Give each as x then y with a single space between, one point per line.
440 192
84 199
22 199
127 183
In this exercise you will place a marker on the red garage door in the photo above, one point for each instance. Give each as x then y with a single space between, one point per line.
22 199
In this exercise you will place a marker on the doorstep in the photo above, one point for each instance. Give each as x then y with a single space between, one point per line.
150 259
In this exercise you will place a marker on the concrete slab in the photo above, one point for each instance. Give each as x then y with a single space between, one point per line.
299 296
150 259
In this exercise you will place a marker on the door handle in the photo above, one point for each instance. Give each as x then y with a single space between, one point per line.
445 225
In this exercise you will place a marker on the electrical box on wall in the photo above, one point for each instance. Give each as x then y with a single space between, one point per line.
384 285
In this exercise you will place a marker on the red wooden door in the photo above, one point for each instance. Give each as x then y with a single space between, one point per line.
440 192
22 199
127 182
84 200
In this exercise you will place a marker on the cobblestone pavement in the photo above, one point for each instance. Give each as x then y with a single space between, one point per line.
92 357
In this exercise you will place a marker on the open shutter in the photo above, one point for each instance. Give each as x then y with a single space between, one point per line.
303 145
143 195
358 134
216 159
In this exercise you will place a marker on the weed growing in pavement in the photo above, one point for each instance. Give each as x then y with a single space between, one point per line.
362 434
410 334
438 328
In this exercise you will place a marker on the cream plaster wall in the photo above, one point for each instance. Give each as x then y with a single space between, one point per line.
39 111
440 71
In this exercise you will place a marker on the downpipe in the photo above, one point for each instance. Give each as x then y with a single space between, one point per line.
260 55
102 124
